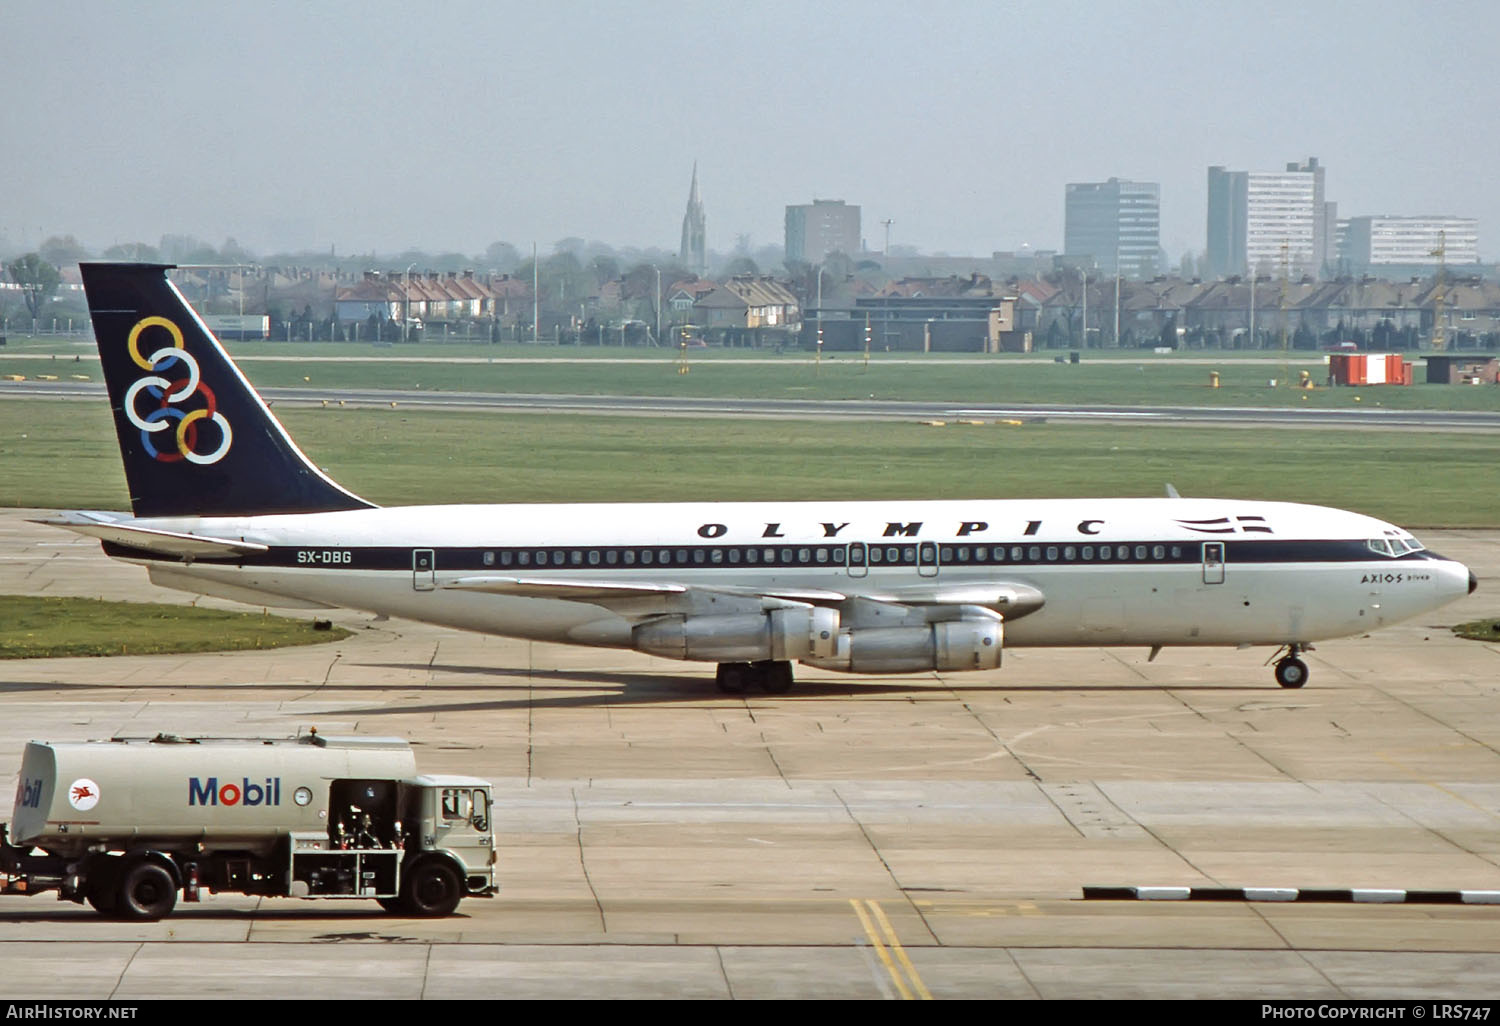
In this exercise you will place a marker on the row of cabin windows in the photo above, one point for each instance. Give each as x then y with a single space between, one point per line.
858 554
697 556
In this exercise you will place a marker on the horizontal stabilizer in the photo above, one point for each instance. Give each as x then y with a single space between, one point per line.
187 547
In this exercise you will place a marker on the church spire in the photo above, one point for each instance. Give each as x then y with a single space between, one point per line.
694 251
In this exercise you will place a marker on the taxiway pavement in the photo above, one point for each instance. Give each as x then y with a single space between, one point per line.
911 836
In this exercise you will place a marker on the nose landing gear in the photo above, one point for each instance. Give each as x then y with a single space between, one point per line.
1291 672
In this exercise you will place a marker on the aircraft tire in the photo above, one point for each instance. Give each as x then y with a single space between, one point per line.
734 678
775 676
1291 673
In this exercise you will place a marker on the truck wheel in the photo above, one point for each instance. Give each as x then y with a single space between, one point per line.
146 892
102 899
431 889
102 890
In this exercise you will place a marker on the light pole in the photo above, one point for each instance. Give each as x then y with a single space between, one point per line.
819 358
406 315
657 302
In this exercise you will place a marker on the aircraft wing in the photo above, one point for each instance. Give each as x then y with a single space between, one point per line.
1011 598
606 593
186 547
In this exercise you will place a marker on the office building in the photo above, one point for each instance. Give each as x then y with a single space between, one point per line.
1269 222
822 227
1398 245
1115 223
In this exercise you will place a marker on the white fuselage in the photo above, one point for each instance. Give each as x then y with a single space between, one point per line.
1151 572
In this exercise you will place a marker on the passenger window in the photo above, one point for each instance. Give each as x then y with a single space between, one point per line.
630 557
1088 552
1070 553
506 558
525 559
489 559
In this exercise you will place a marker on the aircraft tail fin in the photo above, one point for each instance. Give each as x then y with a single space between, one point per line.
195 437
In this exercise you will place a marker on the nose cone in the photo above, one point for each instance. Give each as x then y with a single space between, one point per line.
1455 581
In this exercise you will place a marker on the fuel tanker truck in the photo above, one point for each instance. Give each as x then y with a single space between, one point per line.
126 824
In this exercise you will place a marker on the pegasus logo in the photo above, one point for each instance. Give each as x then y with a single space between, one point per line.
170 396
83 794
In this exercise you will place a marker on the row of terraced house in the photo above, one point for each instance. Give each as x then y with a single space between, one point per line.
971 312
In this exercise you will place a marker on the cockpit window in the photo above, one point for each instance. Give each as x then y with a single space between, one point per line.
1394 545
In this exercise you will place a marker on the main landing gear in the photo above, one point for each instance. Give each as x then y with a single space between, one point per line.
772 676
1291 672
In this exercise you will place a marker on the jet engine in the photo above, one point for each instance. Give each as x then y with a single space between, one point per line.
947 645
781 634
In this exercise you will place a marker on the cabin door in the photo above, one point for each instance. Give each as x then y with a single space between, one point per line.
1213 562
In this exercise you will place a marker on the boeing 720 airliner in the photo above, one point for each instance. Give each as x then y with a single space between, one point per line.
225 504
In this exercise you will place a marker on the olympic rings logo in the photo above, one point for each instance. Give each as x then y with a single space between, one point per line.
169 395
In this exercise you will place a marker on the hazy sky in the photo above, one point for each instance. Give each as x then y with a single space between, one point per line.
448 125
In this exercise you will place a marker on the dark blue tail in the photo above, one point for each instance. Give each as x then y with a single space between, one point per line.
195 437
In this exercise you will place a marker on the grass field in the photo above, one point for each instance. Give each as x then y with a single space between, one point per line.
64 455
40 628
